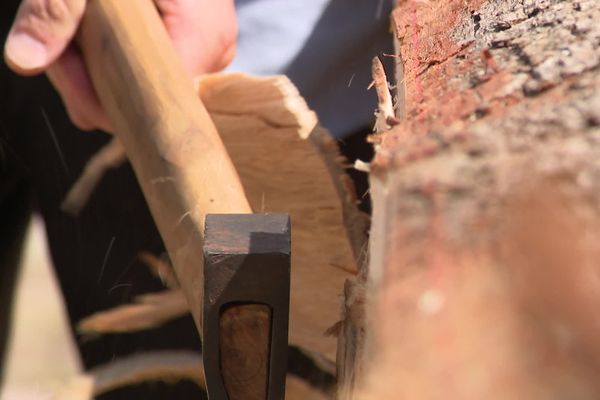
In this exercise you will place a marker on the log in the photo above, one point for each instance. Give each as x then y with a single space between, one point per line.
288 163
483 278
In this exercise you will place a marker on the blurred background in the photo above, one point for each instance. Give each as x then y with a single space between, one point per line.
41 357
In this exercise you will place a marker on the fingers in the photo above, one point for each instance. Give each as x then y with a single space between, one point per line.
40 33
39 40
204 32
70 78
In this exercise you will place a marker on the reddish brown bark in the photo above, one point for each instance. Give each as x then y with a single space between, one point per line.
482 279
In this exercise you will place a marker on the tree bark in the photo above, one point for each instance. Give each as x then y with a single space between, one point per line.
483 277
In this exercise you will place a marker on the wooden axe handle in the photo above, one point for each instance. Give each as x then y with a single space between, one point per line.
171 141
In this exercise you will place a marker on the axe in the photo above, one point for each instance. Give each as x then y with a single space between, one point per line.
233 266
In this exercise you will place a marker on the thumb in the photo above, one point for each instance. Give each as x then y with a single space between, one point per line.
40 33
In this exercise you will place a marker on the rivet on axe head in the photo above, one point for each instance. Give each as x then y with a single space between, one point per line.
246 305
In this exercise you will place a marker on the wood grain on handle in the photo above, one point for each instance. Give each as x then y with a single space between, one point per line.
178 157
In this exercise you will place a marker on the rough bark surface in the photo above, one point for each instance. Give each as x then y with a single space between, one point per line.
482 279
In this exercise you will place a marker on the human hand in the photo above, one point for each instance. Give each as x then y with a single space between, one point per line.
41 40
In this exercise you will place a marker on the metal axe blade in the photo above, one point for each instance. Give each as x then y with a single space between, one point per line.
246 305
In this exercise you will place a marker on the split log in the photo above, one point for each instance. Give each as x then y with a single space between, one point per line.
287 163
483 277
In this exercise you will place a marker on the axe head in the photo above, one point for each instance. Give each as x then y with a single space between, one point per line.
246 305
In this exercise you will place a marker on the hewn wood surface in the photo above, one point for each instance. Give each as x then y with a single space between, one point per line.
483 272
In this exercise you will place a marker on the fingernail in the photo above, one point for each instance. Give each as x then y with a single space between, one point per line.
25 52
